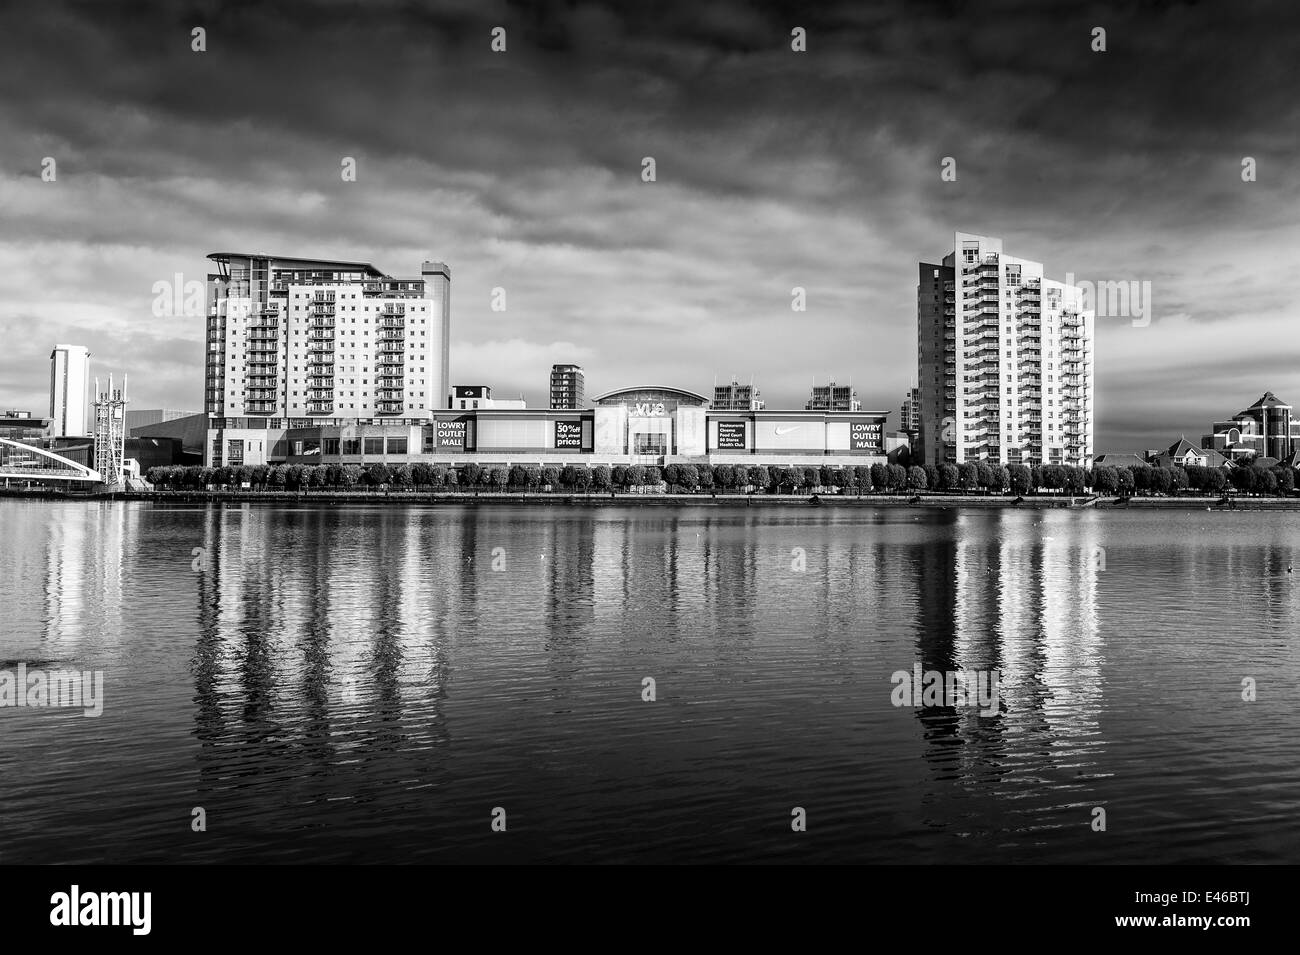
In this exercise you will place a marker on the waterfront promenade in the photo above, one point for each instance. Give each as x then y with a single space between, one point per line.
376 496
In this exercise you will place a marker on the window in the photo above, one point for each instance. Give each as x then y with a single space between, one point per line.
351 445
374 445
396 445
331 446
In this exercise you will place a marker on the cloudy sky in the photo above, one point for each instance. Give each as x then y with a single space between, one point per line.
775 169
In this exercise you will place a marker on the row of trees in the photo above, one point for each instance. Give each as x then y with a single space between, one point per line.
989 478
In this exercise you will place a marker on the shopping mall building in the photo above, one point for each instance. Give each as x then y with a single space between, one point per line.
651 425
325 361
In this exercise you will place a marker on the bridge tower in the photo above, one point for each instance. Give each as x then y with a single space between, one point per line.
110 432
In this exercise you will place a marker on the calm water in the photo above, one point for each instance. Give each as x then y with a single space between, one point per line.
361 685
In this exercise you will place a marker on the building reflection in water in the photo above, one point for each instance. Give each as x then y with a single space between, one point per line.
1002 592
317 654
84 576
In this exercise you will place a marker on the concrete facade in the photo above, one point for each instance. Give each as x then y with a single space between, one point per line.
144 417
70 394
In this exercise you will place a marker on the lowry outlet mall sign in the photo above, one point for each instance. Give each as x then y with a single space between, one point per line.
453 434
865 435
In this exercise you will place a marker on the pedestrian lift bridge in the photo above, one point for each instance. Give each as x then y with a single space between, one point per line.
22 462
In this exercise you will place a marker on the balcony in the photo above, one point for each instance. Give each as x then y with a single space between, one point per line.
320 407
320 336
318 321
388 407
322 297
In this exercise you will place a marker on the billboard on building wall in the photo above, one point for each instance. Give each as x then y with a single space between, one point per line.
452 434
789 434
866 434
568 434
732 436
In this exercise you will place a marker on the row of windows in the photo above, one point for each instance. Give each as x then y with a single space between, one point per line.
340 405
298 333
235 367
343 295
391 445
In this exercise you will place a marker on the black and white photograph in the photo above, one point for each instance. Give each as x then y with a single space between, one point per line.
484 433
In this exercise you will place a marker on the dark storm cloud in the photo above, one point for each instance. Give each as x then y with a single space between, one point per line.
775 169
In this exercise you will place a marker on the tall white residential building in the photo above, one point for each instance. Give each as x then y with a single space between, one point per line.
70 391
301 342
1004 359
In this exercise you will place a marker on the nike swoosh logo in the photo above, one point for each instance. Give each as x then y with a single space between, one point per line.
793 427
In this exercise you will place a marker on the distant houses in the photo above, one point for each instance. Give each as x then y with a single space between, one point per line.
1263 436
1185 454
